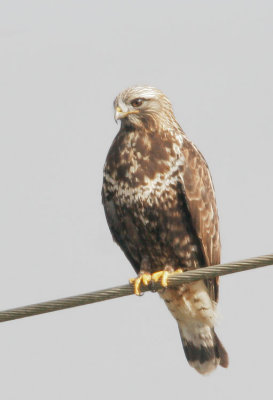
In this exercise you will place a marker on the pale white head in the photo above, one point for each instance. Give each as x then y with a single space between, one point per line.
143 106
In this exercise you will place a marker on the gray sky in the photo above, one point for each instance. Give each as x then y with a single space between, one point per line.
61 65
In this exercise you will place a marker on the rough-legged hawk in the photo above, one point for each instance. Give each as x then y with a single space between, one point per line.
160 206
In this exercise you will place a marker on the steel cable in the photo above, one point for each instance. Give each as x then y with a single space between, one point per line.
126 290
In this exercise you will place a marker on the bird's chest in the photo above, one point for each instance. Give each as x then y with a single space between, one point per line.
141 169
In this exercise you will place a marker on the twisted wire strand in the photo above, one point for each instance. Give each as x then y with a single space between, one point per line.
126 290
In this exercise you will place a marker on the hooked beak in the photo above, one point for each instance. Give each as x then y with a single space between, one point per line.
119 114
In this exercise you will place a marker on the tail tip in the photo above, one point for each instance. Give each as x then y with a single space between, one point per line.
205 359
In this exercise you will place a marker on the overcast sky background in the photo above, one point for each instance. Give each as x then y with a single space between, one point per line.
61 65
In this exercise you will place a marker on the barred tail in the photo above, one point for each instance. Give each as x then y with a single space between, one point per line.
203 349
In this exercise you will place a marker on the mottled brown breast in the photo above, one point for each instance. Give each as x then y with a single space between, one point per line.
136 157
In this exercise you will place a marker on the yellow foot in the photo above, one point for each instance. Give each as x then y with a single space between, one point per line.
143 279
163 276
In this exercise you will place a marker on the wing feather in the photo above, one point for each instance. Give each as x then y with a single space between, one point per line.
200 198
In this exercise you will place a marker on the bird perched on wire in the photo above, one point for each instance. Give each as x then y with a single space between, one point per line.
160 206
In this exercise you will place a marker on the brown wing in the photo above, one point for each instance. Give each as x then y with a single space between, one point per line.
200 197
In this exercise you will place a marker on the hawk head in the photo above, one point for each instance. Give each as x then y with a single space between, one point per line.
143 106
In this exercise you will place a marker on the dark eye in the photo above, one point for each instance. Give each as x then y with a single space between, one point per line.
137 102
